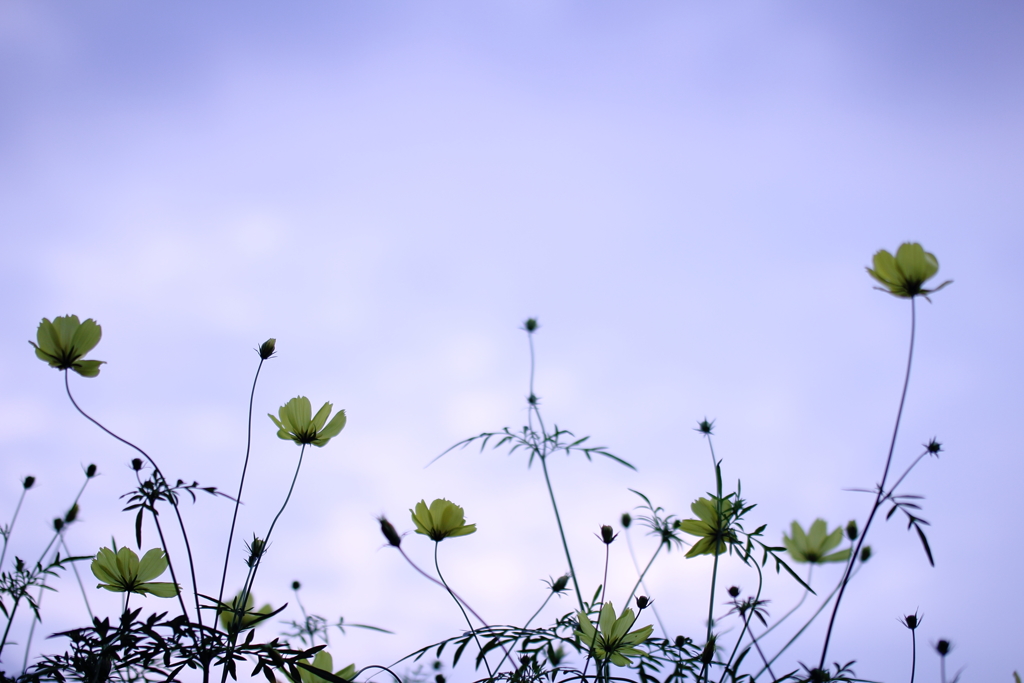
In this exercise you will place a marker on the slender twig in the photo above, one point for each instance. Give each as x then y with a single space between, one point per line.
881 487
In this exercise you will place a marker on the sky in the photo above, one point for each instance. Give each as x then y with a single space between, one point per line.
684 194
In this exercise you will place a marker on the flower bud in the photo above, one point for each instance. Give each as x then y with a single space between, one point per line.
72 514
439 678
626 520
943 647
267 348
136 464
90 471
256 548
934 447
911 621
530 325
851 530
607 534
388 529
705 426
296 585
707 655
734 591
58 524
865 553
643 602
560 583
681 641
28 482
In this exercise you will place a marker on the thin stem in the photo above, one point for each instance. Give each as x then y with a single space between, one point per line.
640 580
604 582
881 487
78 578
807 624
746 627
172 498
241 483
437 567
803 598
526 626
636 566
10 528
913 656
561 531
247 590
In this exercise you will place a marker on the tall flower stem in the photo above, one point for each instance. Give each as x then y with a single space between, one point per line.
880 497
561 531
250 579
541 451
913 655
172 498
10 527
472 630
640 581
241 484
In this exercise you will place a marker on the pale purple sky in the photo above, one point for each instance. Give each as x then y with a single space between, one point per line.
685 194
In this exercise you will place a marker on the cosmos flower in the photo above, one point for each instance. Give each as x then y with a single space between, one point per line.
614 642
904 274
63 342
123 572
442 519
814 545
296 422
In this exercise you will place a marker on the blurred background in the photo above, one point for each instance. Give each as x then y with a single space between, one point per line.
684 194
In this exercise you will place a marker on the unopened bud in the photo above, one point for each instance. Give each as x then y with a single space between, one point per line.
865 553
530 325
642 602
388 529
851 530
707 655
560 583
267 348
58 524
607 534
734 591
28 482
296 585
911 621
136 464
72 514
439 678
626 520
681 641
90 471
943 647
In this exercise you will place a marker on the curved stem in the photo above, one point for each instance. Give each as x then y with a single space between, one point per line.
171 497
241 484
437 567
881 487
807 624
803 598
